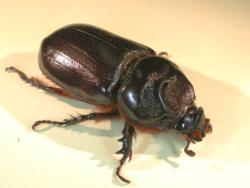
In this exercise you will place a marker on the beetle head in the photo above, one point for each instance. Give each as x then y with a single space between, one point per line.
194 124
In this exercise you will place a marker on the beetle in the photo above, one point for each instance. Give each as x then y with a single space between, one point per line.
146 89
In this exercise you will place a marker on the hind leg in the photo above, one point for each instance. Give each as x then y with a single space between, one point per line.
38 83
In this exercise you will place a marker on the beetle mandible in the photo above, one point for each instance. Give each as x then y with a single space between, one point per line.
147 90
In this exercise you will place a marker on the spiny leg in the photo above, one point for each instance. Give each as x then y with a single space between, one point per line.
77 119
128 133
38 83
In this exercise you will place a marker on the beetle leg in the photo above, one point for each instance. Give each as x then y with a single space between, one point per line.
76 119
128 133
38 83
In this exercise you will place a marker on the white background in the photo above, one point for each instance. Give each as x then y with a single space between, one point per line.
209 40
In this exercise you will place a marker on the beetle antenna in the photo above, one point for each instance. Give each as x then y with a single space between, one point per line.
187 151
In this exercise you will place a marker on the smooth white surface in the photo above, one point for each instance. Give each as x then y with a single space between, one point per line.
210 40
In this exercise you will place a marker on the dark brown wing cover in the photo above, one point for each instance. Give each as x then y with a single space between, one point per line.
83 60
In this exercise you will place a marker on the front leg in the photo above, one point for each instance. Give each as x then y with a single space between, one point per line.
128 133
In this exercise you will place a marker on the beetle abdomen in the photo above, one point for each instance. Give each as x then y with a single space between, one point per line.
83 60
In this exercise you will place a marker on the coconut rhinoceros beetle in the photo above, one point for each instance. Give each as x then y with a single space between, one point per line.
144 88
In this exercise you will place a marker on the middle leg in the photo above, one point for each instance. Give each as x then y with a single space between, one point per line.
77 119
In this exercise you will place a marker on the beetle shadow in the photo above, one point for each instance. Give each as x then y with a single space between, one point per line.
89 136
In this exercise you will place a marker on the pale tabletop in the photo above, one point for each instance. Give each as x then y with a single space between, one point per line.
209 40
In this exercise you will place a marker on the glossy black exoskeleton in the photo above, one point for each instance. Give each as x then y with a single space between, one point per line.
101 68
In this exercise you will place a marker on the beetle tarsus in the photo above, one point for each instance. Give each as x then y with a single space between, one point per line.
120 177
38 83
187 151
76 119
22 75
128 133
